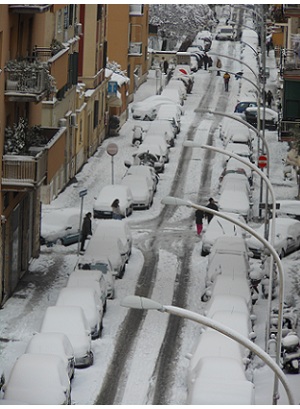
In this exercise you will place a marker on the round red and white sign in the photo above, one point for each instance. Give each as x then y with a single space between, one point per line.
262 161
112 149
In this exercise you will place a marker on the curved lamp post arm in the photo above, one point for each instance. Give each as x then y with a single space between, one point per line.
133 301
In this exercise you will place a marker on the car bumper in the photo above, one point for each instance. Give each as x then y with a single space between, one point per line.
84 361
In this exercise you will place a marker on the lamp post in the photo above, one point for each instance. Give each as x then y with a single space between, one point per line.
142 303
281 286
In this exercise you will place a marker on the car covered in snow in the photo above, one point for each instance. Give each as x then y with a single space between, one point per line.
286 240
146 110
151 154
235 201
53 343
161 128
271 117
38 379
220 227
102 206
142 192
72 322
243 105
145 170
171 114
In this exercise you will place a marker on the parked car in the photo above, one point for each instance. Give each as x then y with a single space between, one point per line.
226 33
271 117
172 114
145 170
114 228
160 141
88 299
102 205
92 261
223 302
220 381
56 344
90 278
237 166
179 86
173 94
39 379
290 208
72 322
60 226
241 106
161 128
142 192
104 245
151 155
146 110
235 201
220 227
286 240
240 149
236 181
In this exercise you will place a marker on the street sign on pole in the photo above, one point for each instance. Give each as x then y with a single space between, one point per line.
262 161
112 150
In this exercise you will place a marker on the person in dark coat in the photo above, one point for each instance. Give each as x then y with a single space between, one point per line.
116 211
211 205
205 61
269 98
86 229
199 221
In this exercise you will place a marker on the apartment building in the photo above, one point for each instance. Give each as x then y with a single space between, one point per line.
127 39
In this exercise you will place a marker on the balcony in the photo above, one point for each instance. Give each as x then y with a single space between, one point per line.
26 82
29 8
291 10
136 9
28 171
135 49
289 131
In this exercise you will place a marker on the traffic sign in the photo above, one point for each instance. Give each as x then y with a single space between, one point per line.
262 161
112 149
83 193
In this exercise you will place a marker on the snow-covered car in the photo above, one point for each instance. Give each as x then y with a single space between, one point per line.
88 299
161 128
102 205
39 379
60 226
236 181
90 278
229 245
178 85
56 344
174 95
223 302
104 245
172 114
241 106
226 33
114 228
237 166
220 227
271 117
142 192
72 322
286 240
146 110
220 381
160 141
235 201
240 149
151 155
290 208
145 170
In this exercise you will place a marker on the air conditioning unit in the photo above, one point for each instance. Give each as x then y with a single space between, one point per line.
62 123
78 29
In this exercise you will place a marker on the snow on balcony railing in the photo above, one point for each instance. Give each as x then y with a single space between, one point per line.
135 49
26 81
136 9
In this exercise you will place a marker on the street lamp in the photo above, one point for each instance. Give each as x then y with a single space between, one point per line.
142 303
281 286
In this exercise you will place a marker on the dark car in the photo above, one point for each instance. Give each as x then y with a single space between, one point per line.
271 117
241 106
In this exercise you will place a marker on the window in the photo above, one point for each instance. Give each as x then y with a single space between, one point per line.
71 14
99 12
59 21
96 113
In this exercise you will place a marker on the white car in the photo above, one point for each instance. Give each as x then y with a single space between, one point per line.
235 165
236 181
290 208
220 381
174 95
220 227
160 142
229 245
60 226
146 110
171 114
114 228
235 201
90 278
142 192
53 343
286 241
72 322
88 299
240 149
145 170
163 128
179 86
102 205
151 155
104 245
39 379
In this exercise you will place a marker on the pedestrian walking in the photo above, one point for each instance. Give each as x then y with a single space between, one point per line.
86 229
116 211
269 98
211 205
205 61
219 66
226 77
199 215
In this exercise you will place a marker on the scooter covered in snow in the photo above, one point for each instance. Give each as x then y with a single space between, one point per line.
137 137
291 353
